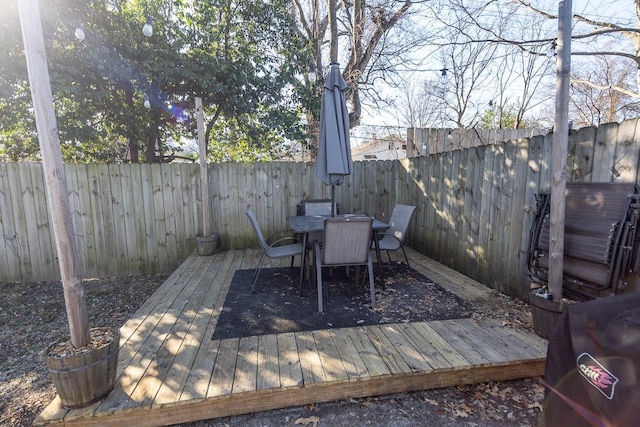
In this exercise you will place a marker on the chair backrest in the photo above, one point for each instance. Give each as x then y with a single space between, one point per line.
317 207
257 229
346 240
399 222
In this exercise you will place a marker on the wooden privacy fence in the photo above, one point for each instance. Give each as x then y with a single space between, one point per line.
427 141
128 219
475 205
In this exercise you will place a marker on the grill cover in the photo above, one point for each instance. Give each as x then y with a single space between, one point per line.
593 364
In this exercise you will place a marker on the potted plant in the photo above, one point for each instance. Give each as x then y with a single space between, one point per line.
83 365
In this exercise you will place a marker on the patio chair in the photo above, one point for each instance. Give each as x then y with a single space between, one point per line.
317 207
345 243
393 238
275 249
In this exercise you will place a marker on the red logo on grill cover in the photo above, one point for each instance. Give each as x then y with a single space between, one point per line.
597 375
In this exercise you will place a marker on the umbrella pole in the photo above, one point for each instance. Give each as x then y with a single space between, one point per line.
333 200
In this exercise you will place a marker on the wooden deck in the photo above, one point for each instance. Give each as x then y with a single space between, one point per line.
170 371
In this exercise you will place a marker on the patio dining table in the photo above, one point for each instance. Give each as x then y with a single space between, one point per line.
306 224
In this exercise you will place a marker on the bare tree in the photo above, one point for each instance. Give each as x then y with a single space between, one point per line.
606 81
517 70
526 69
465 74
594 30
594 100
374 37
414 109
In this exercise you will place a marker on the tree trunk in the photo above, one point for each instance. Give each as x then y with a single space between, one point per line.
134 151
152 152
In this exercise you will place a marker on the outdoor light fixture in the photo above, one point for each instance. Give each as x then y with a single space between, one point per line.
551 53
79 33
147 28
147 104
312 73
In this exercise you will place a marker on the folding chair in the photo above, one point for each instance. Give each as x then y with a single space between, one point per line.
346 242
275 249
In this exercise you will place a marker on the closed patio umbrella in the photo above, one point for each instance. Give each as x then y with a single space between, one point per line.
334 148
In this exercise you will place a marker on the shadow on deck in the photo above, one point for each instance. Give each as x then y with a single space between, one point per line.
169 369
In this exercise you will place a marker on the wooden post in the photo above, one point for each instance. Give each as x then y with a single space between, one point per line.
333 32
204 171
559 151
55 179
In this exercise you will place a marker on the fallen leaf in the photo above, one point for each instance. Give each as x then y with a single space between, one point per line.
505 392
494 391
310 420
459 414
535 405
479 396
466 408
431 401
460 410
538 389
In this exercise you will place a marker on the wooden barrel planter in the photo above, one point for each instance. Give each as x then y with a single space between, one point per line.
545 313
207 245
84 377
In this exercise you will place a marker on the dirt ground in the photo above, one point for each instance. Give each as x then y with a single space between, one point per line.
32 316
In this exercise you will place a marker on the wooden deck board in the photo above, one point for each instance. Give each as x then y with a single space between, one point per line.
268 368
288 361
388 353
468 352
332 364
498 340
197 384
355 367
221 382
246 374
438 356
372 360
463 329
409 349
310 362
171 370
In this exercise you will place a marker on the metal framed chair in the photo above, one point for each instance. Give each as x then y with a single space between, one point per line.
317 207
345 243
275 249
393 238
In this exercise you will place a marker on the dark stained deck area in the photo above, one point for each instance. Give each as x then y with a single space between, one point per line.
170 371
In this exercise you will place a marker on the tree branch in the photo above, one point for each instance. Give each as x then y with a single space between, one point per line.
610 87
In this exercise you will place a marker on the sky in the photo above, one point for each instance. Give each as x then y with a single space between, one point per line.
384 121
